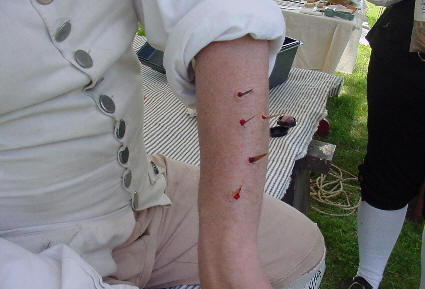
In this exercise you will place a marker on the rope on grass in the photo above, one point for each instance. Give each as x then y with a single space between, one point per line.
334 190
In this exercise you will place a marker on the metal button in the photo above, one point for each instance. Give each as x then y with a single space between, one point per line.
155 168
120 129
106 103
63 31
123 155
44 2
127 178
135 200
83 59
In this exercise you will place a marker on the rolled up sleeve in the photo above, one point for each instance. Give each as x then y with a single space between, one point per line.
182 28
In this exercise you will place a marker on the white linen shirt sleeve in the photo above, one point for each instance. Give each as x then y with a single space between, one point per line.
58 267
182 28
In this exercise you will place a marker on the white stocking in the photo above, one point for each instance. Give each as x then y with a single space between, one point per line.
378 231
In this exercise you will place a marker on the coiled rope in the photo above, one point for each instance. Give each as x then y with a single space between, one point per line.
336 191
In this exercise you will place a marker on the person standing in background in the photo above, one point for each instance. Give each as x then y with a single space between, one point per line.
393 170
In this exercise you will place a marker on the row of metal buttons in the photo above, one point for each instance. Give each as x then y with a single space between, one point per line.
81 57
108 106
106 103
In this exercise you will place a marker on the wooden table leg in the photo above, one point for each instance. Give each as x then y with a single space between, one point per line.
318 159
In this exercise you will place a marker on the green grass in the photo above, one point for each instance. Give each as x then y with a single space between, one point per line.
373 13
140 30
348 118
403 269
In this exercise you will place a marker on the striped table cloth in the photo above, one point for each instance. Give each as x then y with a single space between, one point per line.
169 130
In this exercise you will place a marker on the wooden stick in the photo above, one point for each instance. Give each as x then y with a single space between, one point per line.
256 158
272 116
242 121
240 94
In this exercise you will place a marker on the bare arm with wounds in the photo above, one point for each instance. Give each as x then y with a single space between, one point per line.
228 253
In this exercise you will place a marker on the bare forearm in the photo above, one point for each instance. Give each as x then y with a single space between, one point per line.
228 224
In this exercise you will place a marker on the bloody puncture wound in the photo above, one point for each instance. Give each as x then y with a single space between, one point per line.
240 94
256 158
242 121
236 194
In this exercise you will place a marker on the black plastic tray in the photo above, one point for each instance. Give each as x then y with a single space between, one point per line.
284 61
151 57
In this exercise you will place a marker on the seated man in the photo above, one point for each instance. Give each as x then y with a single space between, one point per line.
83 206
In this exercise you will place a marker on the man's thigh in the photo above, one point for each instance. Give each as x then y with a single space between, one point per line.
290 244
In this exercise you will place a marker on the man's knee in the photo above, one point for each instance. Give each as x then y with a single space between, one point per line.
291 245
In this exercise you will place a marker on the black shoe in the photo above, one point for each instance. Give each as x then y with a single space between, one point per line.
359 283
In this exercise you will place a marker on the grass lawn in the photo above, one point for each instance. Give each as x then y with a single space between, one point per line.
348 118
